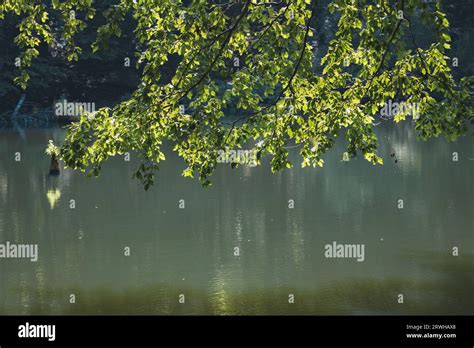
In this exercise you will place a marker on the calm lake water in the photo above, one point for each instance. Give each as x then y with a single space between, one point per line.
190 251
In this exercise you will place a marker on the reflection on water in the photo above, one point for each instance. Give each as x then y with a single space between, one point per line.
53 196
191 251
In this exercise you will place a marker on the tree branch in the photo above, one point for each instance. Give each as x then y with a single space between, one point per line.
219 53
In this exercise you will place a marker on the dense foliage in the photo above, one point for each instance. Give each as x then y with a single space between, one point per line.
262 59
98 77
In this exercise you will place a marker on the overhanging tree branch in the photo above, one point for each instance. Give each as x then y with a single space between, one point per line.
219 53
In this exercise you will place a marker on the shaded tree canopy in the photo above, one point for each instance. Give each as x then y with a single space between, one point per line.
99 77
262 59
